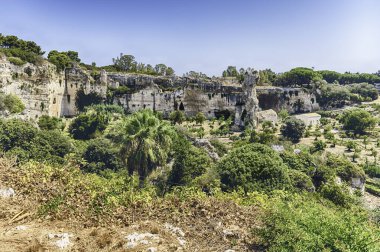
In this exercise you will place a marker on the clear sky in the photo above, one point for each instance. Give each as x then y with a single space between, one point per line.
206 35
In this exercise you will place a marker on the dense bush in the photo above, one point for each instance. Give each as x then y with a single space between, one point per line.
23 139
177 117
365 90
100 155
333 96
357 120
301 162
372 170
344 168
46 122
339 194
293 129
83 100
220 148
87 125
300 181
297 76
253 167
16 61
189 162
11 103
305 224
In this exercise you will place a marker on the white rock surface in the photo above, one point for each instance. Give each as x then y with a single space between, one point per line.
135 239
7 193
63 240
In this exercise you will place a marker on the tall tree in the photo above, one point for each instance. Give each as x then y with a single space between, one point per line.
144 140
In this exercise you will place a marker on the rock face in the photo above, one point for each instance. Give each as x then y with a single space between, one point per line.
44 91
294 100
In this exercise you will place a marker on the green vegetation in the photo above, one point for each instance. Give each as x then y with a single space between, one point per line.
293 129
301 223
63 59
357 121
11 103
50 123
253 167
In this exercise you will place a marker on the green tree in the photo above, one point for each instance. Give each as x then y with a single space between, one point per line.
83 100
87 126
293 129
189 162
125 62
144 140
101 155
357 121
200 118
177 117
46 122
12 103
253 167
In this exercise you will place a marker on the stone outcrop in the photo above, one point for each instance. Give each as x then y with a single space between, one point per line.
44 91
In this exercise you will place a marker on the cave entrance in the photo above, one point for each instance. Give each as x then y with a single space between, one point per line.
268 101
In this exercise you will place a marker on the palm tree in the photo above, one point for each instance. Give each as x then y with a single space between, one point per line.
144 140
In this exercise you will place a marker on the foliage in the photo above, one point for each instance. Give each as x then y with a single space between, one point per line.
11 42
365 90
127 63
318 145
189 162
333 96
220 148
83 100
200 118
27 142
302 161
88 125
283 114
253 167
100 155
11 103
177 116
46 122
302 223
16 61
144 140
357 120
339 194
300 181
293 129
372 170
297 76
63 59
344 168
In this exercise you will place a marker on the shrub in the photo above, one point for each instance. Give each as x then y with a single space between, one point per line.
189 162
220 148
253 167
301 181
293 129
12 103
200 118
372 170
177 117
87 126
46 122
339 194
83 100
357 121
302 223
344 168
16 61
100 155
301 162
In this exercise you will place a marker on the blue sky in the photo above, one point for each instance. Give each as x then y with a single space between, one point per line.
208 35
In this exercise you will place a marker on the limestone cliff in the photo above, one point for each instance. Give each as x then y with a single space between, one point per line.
45 91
